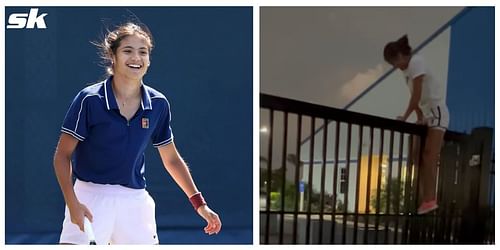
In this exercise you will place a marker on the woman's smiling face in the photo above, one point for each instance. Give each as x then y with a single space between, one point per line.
131 59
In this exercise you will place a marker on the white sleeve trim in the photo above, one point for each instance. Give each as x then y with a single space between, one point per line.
163 143
72 133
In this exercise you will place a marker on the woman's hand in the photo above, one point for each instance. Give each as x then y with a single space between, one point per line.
213 222
77 213
420 122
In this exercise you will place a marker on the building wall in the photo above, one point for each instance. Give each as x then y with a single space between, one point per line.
471 75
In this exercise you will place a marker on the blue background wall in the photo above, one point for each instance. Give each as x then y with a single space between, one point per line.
471 71
202 62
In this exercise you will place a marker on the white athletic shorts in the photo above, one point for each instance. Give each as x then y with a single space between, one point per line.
121 215
437 117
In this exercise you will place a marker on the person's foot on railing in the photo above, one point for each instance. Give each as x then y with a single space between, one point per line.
427 207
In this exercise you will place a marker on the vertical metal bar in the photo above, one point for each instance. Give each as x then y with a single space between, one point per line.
335 182
447 172
415 219
491 213
456 224
269 173
420 225
379 180
420 187
297 180
432 234
346 195
448 159
358 173
310 181
421 148
457 195
398 183
388 188
445 159
458 183
368 187
407 190
283 177
427 227
323 171
462 183
431 217
417 156
446 192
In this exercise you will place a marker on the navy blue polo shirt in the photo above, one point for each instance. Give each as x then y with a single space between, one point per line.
110 148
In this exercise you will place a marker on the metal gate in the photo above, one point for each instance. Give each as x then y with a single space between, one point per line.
331 176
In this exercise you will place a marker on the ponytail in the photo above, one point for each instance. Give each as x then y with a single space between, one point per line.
392 49
404 46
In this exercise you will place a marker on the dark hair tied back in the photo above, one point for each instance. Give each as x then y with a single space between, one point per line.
392 49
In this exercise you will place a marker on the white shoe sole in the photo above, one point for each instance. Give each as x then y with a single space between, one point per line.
427 210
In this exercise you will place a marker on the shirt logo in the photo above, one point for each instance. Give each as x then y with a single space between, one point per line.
145 122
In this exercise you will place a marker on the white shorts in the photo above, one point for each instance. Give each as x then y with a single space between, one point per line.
437 117
121 215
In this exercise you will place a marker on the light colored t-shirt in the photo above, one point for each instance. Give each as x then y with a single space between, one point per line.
433 93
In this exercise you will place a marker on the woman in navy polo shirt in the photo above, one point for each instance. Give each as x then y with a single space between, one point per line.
104 135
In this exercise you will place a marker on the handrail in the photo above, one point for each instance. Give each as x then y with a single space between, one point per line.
305 108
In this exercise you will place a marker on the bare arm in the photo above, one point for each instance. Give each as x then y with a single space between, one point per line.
415 98
62 168
177 168
420 115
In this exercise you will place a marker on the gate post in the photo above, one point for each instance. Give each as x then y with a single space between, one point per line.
476 187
